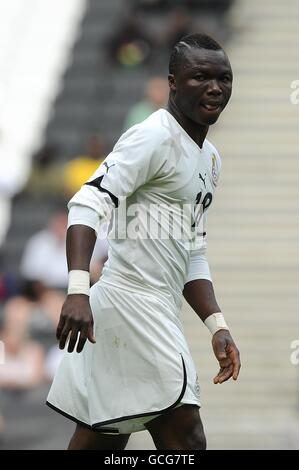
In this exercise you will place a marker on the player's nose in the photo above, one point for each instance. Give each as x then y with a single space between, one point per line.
214 88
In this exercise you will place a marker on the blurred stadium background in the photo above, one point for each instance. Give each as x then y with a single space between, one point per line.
74 74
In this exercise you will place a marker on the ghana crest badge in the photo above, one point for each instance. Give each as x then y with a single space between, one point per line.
215 170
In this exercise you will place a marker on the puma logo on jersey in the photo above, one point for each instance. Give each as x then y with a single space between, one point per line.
108 167
202 179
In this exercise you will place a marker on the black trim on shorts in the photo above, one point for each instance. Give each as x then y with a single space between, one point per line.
98 427
85 425
150 413
97 184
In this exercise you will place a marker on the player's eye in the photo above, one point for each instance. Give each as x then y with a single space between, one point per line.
226 78
199 77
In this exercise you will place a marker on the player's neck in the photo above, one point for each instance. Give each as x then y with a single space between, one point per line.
196 131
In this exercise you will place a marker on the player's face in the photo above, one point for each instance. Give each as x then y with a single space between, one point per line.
202 85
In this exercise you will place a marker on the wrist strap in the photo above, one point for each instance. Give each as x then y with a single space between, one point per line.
79 282
216 322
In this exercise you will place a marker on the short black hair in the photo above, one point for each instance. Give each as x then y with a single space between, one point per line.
197 40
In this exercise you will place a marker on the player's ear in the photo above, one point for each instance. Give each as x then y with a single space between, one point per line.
172 82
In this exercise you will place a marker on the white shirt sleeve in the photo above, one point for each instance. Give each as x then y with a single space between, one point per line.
198 265
82 215
133 162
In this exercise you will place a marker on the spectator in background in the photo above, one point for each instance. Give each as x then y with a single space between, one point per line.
130 46
42 305
77 171
44 272
52 177
46 176
44 259
23 367
156 93
46 155
43 265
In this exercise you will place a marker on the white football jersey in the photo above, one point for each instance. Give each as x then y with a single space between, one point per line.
156 177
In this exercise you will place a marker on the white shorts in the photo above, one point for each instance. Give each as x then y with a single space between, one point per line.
139 367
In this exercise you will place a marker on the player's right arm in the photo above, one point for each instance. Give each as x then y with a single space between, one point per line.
76 316
87 210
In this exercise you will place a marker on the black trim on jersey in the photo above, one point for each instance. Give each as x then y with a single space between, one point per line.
151 413
66 415
97 184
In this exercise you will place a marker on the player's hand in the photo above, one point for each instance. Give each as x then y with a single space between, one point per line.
75 318
227 355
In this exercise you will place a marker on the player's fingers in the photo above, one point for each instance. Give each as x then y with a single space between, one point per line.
81 343
235 359
64 335
236 367
90 335
221 371
226 374
73 340
236 371
60 327
82 339
216 378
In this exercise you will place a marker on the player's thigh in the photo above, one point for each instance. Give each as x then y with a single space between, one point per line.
180 428
87 439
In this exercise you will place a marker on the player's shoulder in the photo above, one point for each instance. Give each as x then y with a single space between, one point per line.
152 131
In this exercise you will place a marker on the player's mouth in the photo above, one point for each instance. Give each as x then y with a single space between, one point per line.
212 106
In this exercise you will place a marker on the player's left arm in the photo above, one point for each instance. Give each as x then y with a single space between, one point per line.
199 293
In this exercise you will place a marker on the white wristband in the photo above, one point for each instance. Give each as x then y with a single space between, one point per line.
79 282
216 322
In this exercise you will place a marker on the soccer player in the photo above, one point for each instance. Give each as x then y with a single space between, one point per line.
135 372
